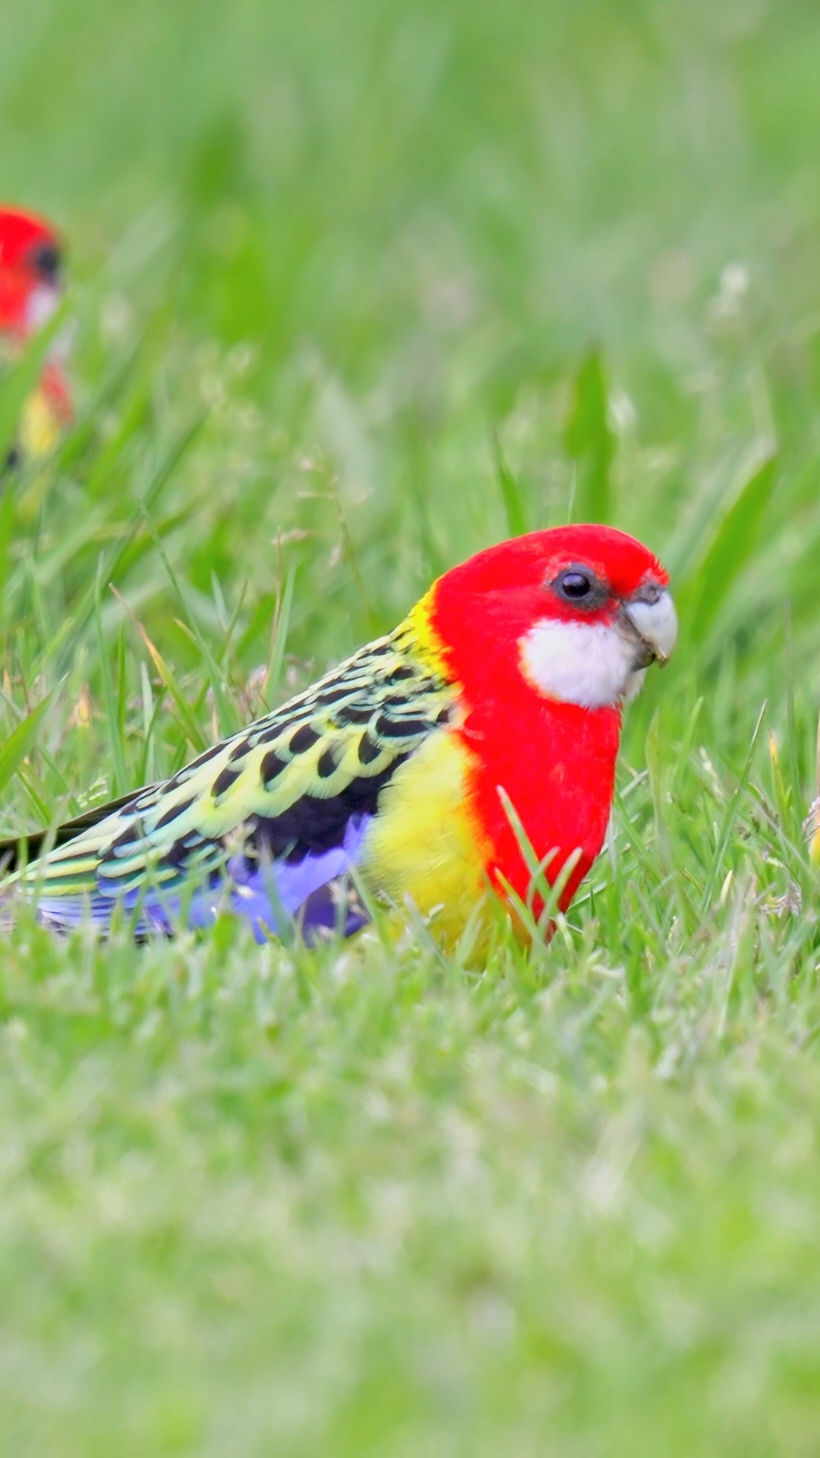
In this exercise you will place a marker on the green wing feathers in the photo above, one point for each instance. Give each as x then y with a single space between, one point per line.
292 780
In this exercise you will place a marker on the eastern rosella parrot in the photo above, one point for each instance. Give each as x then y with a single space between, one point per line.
30 289
397 771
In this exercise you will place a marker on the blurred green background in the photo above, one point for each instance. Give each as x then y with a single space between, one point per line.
358 289
369 241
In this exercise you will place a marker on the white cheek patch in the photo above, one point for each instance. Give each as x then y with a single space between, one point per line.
42 304
589 664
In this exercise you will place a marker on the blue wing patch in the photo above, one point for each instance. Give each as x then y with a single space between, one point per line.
314 895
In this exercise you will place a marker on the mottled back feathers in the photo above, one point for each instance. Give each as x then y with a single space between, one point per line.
288 790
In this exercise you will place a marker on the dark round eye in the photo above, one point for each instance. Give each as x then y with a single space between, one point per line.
575 585
46 260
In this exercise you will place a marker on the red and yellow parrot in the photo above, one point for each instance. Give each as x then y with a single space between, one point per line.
422 768
30 290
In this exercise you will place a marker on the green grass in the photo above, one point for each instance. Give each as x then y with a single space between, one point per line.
359 289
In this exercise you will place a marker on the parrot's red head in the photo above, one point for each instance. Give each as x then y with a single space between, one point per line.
546 636
576 612
30 272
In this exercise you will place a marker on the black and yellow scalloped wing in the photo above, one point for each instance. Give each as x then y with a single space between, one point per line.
288 788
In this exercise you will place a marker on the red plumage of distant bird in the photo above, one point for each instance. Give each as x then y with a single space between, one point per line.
31 282
432 765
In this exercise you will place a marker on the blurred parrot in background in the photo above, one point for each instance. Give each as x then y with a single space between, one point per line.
473 747
31 264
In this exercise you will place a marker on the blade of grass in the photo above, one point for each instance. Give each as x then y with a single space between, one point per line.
279 635
21 741
225 710
731 546
510 493
186 718
589 442
725 832
112 715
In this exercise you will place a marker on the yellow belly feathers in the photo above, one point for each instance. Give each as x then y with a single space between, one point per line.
424 844
39 425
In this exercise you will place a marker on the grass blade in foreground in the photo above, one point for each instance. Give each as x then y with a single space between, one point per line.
21 741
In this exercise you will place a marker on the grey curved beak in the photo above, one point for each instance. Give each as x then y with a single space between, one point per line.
651 619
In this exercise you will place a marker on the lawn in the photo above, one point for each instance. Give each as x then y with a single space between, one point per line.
358 289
